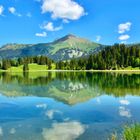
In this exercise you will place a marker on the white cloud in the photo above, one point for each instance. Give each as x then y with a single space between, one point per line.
1 10
122 28
65 21
1 131
123 42
50 113
64 131
66 119
44 106
124 37
12 10
12 131
124 102
124 112
98 100
43 34
50 27
98 38
64 9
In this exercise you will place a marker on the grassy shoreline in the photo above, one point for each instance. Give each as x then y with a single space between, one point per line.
73 71
43 68
130 132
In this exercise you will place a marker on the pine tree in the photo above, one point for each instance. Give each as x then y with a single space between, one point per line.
25 67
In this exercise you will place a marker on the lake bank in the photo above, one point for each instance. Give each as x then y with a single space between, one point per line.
43 68
124 71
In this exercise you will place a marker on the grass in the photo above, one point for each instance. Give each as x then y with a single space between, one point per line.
72 43
131 68
129 133
32 67
16 69
132 132
35 67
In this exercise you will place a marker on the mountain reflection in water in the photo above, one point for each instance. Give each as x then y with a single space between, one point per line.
67 105
69 87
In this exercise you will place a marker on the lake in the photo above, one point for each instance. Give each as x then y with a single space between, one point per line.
67 105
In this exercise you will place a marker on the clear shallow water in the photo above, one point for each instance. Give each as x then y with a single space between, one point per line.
67 106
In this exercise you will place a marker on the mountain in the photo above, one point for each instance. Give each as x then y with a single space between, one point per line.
69 88
67 47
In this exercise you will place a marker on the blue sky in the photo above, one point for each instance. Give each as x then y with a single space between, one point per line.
103 21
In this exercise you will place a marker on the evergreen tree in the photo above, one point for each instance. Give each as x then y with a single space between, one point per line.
49 65
25 67
6 64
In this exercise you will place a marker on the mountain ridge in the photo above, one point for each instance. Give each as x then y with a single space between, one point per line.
67 47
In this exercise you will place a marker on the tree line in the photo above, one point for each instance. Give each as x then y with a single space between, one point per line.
116 84
114 57
5 64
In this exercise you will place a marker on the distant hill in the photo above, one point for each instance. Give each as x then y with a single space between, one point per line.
67 47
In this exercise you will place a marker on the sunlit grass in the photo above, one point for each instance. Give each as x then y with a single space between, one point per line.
129 133
32 67
36 67
132 132
131 68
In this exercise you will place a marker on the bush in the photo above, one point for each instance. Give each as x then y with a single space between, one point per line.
129 133
132 132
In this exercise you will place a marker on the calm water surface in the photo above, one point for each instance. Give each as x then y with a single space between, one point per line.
67 106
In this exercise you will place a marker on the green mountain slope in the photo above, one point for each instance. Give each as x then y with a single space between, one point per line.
64 48
69 87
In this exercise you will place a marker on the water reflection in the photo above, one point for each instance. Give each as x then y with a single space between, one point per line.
69 87
58 131
69 105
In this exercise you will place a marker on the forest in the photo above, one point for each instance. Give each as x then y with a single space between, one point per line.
118 56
